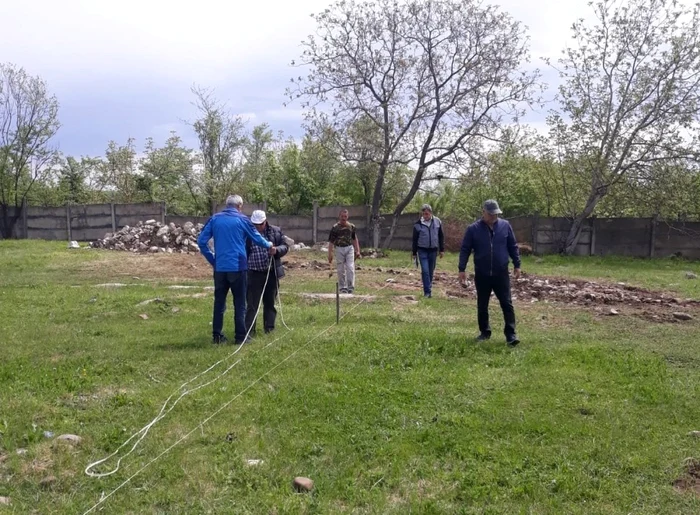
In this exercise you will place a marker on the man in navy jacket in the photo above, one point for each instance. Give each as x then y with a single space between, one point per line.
492 242
229 228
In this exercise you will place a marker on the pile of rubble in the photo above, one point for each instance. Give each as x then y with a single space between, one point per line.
153 236
574 292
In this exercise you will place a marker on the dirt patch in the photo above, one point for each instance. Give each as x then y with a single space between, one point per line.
689 482
175 267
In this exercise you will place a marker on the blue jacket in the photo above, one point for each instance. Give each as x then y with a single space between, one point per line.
428 236
229 228
491 248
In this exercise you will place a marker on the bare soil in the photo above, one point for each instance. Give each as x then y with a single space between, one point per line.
689 482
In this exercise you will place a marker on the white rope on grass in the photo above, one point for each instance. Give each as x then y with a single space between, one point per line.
141 433
103 498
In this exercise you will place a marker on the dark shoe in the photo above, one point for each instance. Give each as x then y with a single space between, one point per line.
483 337
428 295
269 329
249 339
219 339
512 340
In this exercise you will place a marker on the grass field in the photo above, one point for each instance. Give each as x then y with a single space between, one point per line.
394 410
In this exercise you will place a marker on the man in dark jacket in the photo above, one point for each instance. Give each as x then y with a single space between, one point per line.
229 228
428 240
492 241
263 279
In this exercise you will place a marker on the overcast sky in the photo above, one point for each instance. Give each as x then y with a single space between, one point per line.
124 68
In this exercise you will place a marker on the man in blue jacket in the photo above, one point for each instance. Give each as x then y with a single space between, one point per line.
428 240
229 228
492 241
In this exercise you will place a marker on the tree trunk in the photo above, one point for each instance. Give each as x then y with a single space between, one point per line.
374 218
577 224
402 205
8 221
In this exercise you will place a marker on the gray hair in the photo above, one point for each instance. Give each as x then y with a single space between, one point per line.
234 201
426 206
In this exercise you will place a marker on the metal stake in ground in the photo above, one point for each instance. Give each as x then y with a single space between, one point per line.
337 303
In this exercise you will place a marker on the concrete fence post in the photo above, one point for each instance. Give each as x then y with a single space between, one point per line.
535 229
69 229
314 224
114 217
25 228
652 235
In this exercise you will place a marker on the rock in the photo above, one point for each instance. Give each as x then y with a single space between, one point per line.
150 222
390 281
691 275
75 439
163 231
176 310
47 482
73 245
153 249
696 434
614 312
5 501
48 434
302 484
253 463
21 452
682 316
149 301
144 316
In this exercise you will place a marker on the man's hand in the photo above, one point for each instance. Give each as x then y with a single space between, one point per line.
358 255
330 257
273 251
516 273
442 255
463 278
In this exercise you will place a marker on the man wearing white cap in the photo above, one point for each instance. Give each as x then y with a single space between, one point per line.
260 283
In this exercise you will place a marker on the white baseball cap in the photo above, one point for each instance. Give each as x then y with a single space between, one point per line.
258 216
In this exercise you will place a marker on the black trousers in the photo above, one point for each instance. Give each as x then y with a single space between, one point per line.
236 283
500 285
256 283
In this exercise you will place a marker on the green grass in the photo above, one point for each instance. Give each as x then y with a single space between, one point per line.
395 410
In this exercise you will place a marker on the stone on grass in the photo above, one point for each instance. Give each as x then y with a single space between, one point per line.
144 316
691 275
682 316
696 434
70 438
253 463
47 482
5 501
614 312
303 484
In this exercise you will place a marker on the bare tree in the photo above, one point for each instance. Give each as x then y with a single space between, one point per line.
221 142
28 120
629 98
434 78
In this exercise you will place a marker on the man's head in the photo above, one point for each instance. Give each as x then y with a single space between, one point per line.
234 201
491 211
343 216
427 211
259 220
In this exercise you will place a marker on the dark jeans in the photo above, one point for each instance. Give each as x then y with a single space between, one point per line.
256 282
223 282
500 285
428 260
